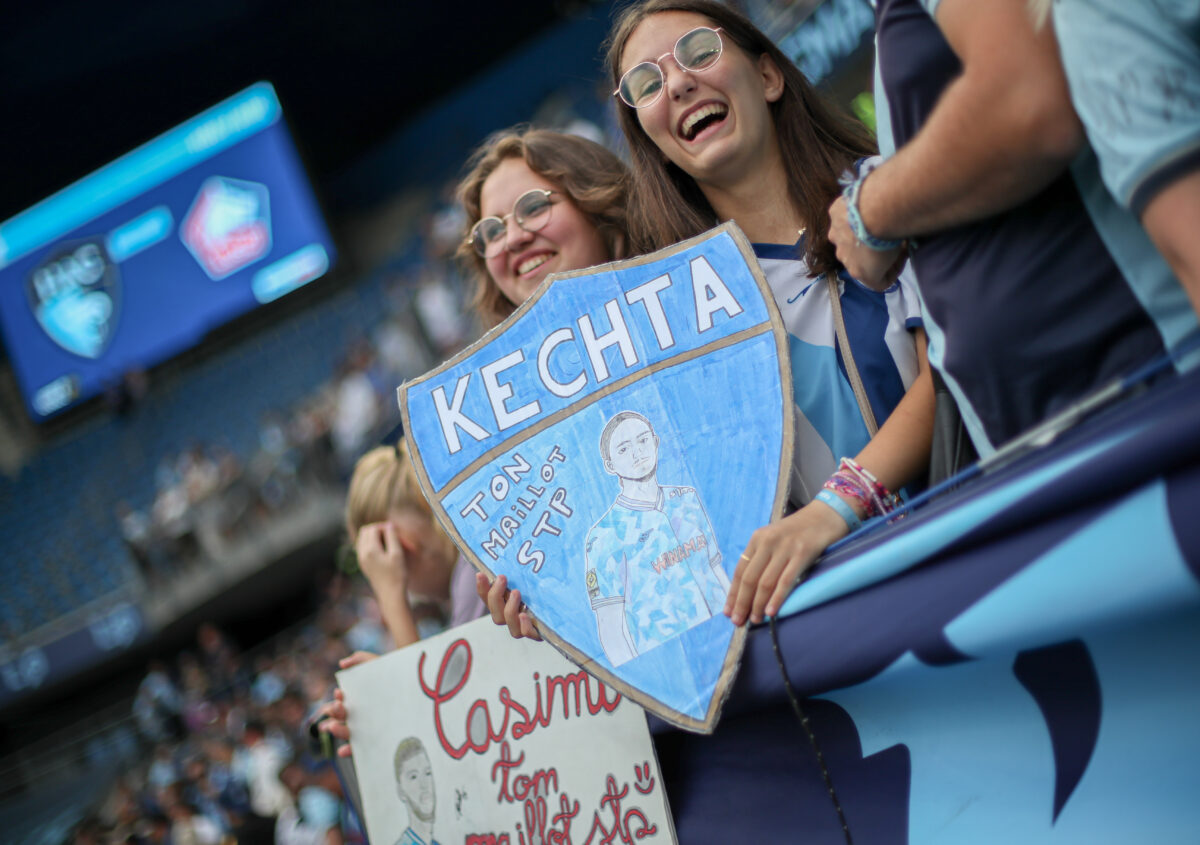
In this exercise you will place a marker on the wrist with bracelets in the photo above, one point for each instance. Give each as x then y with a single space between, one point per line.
851 190
853 482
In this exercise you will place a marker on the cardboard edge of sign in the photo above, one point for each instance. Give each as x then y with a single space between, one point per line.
733 654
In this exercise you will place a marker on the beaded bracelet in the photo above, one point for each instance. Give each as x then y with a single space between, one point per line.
846 482
885 500
854 216
850 487
840 508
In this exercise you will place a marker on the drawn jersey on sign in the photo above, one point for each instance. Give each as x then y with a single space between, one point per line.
653 565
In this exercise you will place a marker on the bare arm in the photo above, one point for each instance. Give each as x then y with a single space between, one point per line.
899 451
1170 220
382 560
999 133
778 553
614 633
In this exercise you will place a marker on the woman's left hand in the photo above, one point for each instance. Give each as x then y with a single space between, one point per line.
778 553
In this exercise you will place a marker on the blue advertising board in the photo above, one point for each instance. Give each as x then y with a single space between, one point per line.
610 449
140 259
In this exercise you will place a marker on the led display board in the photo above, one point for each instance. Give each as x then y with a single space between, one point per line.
142 258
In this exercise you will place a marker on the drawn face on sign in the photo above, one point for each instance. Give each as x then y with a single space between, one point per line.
414 785
633 450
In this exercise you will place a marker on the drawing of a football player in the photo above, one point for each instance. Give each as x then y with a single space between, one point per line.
653 565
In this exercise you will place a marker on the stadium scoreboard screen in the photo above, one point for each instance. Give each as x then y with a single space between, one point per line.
139 260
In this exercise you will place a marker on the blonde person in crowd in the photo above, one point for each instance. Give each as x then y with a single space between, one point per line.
402 553
399 546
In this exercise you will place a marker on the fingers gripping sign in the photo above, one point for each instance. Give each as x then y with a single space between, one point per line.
776 556
331 717
505 606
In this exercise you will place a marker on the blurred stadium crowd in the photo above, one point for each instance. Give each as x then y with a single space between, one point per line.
176 500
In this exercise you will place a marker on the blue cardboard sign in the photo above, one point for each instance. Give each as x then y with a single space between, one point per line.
610 449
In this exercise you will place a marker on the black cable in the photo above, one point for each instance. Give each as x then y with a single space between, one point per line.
812 737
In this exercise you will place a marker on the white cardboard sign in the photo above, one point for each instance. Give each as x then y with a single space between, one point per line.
473 737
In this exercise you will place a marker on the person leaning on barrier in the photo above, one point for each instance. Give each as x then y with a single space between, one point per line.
1027 311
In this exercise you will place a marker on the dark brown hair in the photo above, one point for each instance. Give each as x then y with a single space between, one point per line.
590 175
817 142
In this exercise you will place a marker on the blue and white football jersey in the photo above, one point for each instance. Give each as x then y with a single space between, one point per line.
828 421
658 560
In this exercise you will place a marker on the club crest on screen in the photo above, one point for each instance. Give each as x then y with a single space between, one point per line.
75 295
228 226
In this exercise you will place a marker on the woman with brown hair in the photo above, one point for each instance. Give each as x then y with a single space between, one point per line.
543 202
575 191
722 126
540 202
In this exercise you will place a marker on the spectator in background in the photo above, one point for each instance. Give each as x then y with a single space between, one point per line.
222 781
313 817
135 531
219 659
158 704
262 760
356 410
162 772
190 827
367 632
399 546
268 687
1026 309
439 311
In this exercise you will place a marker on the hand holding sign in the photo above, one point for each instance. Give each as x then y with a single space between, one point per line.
505 606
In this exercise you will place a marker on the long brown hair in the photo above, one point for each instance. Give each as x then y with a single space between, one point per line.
817 142
590 175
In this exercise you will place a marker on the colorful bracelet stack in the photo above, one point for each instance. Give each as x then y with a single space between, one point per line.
853 482
854 216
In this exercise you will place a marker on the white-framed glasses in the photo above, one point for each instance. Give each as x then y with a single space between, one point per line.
531 211
695 51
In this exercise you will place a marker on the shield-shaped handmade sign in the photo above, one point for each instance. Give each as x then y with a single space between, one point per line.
610 449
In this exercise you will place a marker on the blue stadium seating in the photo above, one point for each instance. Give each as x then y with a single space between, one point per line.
63 548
